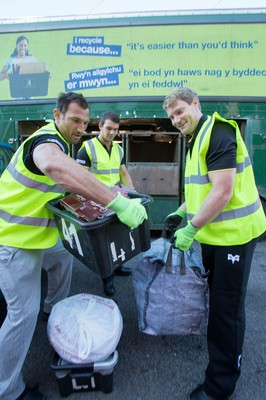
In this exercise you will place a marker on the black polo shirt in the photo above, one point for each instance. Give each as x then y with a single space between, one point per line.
222 149
32 144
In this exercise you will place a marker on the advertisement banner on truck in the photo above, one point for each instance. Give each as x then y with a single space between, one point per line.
220 60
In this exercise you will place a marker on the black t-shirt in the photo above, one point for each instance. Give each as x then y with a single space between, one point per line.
222 149
32 144
82 155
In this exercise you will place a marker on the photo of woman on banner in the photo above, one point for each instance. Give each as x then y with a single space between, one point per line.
27 76
20 54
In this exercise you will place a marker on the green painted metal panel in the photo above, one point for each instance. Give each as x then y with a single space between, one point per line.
259 139
152 108
6 154
160 208
8 132
259 166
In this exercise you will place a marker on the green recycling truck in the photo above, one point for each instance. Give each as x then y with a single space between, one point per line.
128 64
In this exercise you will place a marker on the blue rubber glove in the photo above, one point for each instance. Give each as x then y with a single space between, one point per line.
129 211
184 237
174 219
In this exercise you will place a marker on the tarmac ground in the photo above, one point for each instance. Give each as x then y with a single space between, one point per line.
155 367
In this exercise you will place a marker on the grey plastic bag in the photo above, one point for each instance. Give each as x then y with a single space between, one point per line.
171 296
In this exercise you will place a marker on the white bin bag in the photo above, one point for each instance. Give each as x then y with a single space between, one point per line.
85 328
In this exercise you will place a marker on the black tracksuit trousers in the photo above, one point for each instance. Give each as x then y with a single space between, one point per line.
229 268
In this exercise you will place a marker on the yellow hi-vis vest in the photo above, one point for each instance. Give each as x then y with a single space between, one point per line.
105 167
243 218
25 222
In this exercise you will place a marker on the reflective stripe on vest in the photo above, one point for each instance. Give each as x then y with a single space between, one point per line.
94 161
15 219
203 179
242 219
25 222
233 214
28 182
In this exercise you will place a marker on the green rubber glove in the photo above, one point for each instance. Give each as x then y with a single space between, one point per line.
129 211
184 237
174 219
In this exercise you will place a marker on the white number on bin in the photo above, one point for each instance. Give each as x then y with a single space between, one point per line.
122 254
114 253
70 234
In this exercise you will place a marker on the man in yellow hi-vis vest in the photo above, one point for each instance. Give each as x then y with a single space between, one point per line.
224 213
105 160
41 170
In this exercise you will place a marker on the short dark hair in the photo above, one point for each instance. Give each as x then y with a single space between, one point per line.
111 115
64 99
186 94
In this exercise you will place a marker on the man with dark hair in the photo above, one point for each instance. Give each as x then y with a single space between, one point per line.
42 170
225 215
105 160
